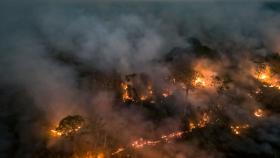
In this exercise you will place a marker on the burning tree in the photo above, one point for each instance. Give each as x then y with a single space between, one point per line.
136 88
69 126
265 75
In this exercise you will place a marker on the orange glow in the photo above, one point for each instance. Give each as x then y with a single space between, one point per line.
191 126
119 150
266 76
205 71
166 93
205 119
140 143
90 154
147 94
126 96
203 81
143 97
100 155
129 95
199 82
258 91
237 129
259 113
173 135
66 132
59 133
55 133
150 90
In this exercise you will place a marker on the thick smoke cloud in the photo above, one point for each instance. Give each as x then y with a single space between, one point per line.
53 56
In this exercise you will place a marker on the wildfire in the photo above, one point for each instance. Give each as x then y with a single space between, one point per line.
90 154
237 129
259 113
55 133
201 123
204 81
126 96
266 76
119 150
204 121
258 91
135 92
173 135
68 126
205 72
199 82
166 93
142 143
147 94
100 155
191 126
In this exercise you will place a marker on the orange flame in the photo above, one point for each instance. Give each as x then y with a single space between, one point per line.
199 82
259 113
237 129
201 123
90 154
55 133
140 143
266 76
59 133
119 150
205 71
126 96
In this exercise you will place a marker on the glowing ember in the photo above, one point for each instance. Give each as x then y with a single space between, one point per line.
259 113
55 133
150 90
266 76
68 126
204 121
166 93
126 96
238 128
199 82
135 91
142 143
100 155
143 98
201 123
118 151
90 154
147 94
258 91
205 73
173 135
191 126
263 76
